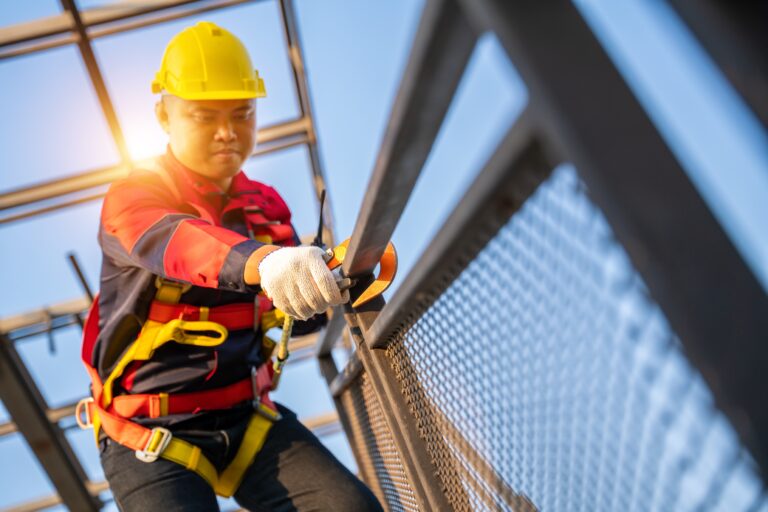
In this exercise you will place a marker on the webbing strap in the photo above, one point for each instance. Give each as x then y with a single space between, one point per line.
162 404
232 316
192 458
255 435
139 438
170 292
150 443
154 335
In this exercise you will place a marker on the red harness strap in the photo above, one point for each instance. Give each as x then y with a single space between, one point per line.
232 316
162 404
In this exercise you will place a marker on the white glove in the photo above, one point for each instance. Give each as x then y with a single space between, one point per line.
299 282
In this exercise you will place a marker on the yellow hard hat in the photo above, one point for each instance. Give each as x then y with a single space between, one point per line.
207 62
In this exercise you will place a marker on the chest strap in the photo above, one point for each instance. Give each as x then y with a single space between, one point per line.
233 316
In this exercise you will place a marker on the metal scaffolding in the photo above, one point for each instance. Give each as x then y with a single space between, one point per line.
30 415
411 440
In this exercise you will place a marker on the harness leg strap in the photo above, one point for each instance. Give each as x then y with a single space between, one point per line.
255 435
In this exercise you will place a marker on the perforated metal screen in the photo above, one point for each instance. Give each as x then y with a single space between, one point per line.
546 378
379 462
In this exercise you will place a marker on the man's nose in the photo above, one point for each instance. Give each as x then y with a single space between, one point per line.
225 131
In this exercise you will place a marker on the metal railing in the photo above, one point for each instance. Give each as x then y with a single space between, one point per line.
561 345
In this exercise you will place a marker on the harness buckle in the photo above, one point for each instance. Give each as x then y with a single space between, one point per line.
266 411
261 408
82 406
149 454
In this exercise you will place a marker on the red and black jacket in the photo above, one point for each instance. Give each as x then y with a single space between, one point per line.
173 223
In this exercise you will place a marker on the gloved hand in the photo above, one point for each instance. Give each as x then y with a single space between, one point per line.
299 282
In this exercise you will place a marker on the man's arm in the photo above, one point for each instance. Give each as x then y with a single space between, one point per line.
144 225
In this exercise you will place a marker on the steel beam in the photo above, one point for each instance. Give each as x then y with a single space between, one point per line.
55 31
516 168
43 315
332 333
271 147
184 10
735 36
296 58
63 23
94 72
348 376
118 16
46 502
711 298
271 138
26 406
442 47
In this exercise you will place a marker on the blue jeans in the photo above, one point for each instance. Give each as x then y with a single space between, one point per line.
293 471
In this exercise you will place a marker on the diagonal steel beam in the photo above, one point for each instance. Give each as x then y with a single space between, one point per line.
516 168
94 72
735 35
122 16
296 57
271 138
444 42
27 408
61 24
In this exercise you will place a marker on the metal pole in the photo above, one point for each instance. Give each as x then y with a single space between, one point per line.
84 44
27 407
444 42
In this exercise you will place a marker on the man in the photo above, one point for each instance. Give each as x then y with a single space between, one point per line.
174 344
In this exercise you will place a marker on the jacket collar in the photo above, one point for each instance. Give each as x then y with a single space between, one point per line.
200 190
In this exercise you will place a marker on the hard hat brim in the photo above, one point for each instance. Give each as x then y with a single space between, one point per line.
219 95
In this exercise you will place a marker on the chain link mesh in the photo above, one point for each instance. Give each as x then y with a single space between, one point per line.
378 459
546 378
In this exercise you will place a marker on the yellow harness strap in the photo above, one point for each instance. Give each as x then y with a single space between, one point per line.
255 435
192 458
200 333
154 335
170 291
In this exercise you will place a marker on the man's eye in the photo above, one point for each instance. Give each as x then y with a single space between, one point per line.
243 116
203 119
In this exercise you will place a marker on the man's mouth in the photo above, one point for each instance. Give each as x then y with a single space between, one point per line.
226 151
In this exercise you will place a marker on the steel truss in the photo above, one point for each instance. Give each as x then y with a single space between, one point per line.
580 111
30 415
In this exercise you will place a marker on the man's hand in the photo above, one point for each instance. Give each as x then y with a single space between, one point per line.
299 282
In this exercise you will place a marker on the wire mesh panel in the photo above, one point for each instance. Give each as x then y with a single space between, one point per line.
547 378
379 460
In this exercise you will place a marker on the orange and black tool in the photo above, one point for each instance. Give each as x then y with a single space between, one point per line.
335 257
387 270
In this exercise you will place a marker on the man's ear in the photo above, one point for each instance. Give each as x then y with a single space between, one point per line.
161 113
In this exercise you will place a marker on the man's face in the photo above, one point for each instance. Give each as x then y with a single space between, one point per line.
211 137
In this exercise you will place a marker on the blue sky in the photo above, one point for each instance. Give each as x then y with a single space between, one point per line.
354 53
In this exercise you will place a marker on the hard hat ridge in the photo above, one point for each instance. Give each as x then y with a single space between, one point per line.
207 62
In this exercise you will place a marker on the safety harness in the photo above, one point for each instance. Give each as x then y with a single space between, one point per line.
172 322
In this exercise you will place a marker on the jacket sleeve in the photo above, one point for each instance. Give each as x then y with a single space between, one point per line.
143 225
